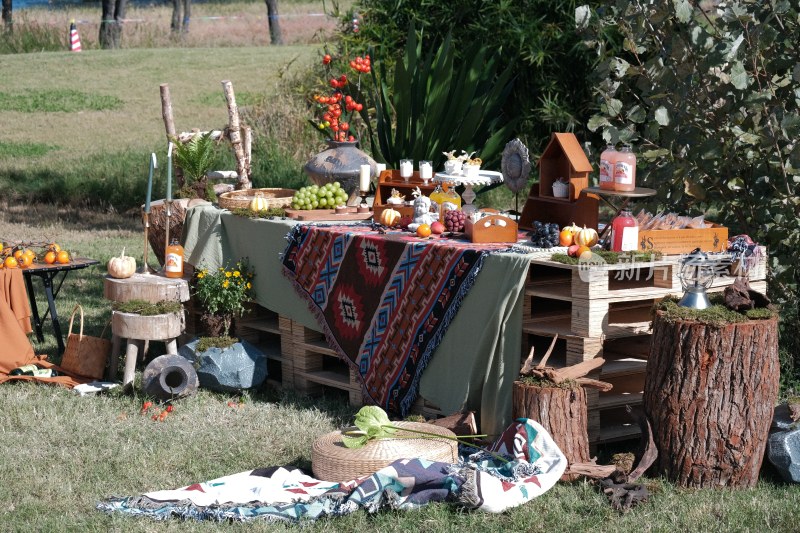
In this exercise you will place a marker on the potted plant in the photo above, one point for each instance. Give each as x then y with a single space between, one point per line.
223 362
196 157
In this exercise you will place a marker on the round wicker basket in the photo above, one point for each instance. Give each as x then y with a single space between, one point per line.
332 461
242 199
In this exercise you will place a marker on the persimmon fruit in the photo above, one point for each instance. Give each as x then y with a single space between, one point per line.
62 257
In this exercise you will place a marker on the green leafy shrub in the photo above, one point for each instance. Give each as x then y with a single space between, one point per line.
709 97
421 116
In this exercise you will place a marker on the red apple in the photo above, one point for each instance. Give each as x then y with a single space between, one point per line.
437 228
572 251
405 221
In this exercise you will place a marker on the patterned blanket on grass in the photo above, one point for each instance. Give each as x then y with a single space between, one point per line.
478 482
384 300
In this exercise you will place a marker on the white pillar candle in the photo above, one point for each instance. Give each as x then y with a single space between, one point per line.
364 178
425 170
380 167
406 168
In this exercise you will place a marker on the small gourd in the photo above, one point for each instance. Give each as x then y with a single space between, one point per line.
389 217
586 237
121 267
258 203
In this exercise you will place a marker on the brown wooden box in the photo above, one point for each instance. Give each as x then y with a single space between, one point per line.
492 228
681 241
390 179
563 158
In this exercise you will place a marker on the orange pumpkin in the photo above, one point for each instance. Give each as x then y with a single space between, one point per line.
389 217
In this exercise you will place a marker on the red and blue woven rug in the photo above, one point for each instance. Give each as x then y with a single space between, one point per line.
383 299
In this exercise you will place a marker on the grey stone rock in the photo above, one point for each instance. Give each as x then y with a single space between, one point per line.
783 446
240 366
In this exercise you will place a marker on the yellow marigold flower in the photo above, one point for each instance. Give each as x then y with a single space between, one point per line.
236 274
248 285
227 274
201 275
225 284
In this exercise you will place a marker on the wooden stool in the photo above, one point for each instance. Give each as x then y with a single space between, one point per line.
137 329
140 330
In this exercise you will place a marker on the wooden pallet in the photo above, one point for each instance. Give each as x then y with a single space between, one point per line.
605 312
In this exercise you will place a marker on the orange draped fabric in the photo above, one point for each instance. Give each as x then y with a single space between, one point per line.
15 325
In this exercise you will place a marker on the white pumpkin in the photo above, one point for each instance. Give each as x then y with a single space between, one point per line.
389 217
121 267
258 203
586 237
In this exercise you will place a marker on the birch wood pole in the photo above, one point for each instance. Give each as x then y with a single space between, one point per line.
235 135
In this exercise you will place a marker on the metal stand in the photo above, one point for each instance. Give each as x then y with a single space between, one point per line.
146 268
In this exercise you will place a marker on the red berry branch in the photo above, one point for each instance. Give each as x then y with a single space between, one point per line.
334 120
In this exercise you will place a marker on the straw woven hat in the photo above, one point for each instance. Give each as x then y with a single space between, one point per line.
332 461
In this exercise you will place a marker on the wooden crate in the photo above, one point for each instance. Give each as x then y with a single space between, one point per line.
390 179
681 241
260 327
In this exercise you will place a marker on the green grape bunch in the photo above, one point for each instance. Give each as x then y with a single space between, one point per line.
326 196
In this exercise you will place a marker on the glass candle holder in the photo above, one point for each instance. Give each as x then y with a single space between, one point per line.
426 171
406 168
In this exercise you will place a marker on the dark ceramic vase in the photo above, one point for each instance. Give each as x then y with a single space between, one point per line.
340 162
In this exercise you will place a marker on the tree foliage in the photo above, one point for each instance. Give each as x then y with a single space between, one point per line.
535 38
708 93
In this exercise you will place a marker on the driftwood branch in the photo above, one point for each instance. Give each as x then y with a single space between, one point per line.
235 135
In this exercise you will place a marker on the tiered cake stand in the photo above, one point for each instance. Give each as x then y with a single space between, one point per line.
484 177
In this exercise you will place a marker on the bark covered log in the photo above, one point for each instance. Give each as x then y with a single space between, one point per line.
709 393
561 411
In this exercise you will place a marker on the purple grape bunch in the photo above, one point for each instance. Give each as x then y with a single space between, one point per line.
544 234
454 220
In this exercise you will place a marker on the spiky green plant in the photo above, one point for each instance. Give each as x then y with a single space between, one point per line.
195 157
423 115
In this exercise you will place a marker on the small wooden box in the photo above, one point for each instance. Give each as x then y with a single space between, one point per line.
390 179
681 241
492 228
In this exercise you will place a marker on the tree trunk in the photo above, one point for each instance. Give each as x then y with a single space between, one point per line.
275 36
709 393
113 14
181 15
7 15
561 411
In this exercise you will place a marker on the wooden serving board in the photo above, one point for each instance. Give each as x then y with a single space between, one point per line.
327 214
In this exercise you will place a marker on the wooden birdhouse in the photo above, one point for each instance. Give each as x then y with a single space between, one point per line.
563 174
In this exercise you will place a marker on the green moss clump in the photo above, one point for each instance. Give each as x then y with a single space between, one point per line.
264 213
206 343
612 258
544 383
141 307
415 418
716 315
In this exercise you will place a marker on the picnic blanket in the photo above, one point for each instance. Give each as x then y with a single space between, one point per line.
16 349
383 299
478 482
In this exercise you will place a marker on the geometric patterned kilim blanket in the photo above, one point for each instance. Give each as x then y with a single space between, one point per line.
479 482
383 299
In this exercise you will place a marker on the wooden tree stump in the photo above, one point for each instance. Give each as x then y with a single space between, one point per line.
561 411
709 393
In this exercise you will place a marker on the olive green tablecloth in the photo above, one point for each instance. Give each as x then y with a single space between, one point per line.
479 357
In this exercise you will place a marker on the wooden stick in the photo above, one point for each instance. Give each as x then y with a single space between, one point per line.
235 135
549 351
527 366
166 110
248 149
581 369
595 383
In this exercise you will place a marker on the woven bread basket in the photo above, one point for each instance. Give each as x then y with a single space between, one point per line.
332 461
241 199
